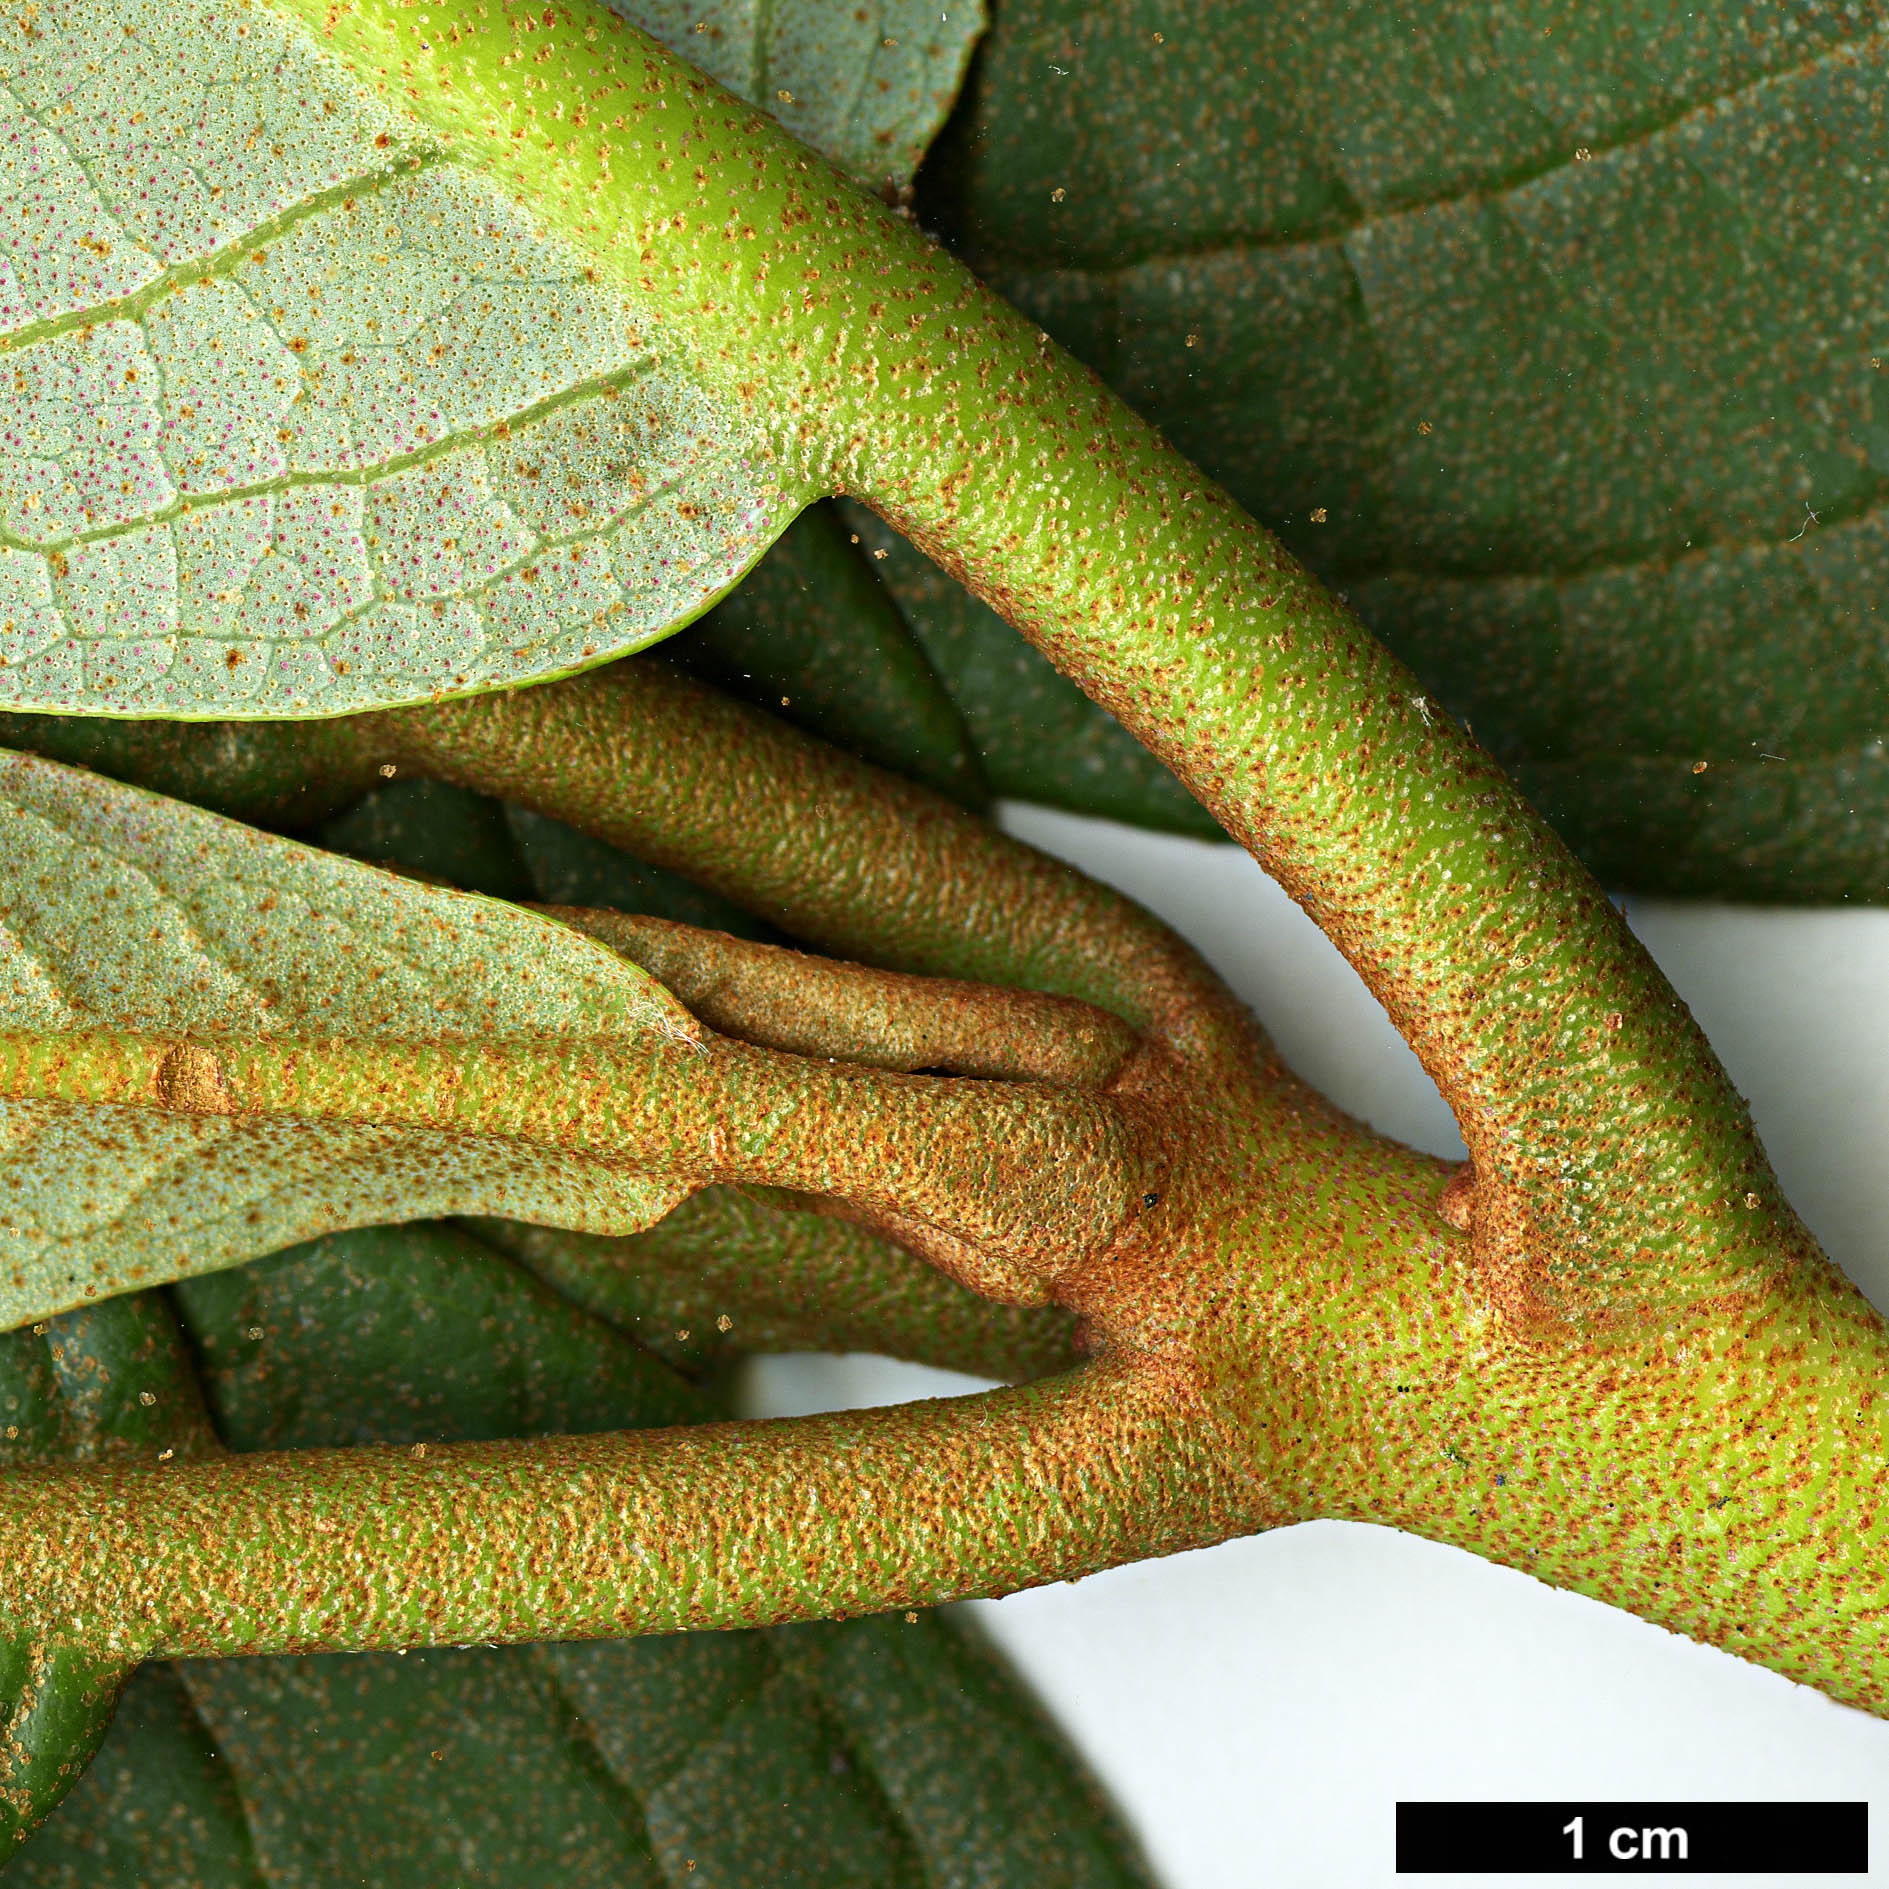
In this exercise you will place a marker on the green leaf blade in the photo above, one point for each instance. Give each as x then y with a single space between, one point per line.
1553 343
417 1762
915 1705
440 1338
814 637
156 1805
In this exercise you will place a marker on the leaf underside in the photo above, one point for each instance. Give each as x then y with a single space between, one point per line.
1555 336
300 416
121 911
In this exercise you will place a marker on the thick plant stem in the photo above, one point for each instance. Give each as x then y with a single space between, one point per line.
722 1525
812 1006
1039 1177
746 1269
1614 1358
1613 1161
834 850
1292 1330
1726 1481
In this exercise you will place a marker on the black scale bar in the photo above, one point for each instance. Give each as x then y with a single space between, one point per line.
1632 1839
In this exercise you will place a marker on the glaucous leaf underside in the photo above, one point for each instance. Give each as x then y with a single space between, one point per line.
1553 335
123 912
299 415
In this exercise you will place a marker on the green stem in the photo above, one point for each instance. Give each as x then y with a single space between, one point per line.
849 858
851 1013
1286 1324
1612 1156
1726 1482
735 1270
720 1525
1038 1177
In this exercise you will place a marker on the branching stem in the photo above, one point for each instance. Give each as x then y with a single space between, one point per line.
1612 1159
835 851
1593 1361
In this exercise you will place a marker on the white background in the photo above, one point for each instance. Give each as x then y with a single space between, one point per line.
1258 1709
